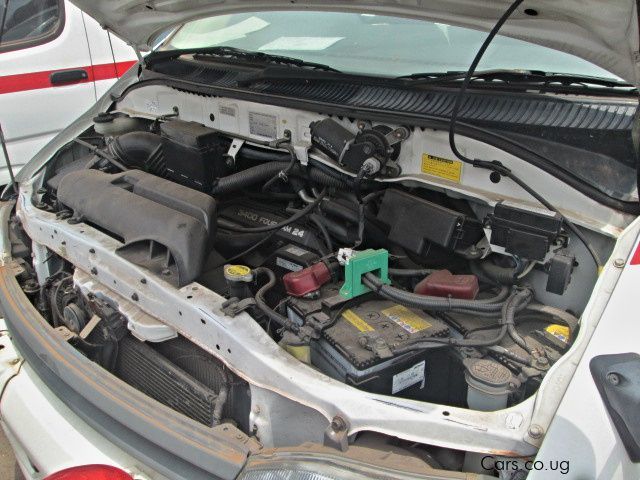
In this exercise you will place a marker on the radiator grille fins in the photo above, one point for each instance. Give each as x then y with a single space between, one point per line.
150 372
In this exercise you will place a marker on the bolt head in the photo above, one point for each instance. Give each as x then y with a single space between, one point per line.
536 431
619 262
338 424
613 378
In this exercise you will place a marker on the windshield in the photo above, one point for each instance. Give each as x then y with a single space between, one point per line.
373 44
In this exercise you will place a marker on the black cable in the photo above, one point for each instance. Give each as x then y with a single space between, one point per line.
281 320
508 310
317 221
95 150
362 205
410 272
284 173
247 251
496 166
277 226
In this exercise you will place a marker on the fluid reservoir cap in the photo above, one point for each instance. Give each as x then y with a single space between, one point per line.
238 273
104 117
487 375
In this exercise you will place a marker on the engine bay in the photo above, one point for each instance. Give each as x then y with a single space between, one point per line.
333 263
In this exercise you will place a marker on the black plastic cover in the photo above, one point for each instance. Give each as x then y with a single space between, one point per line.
618 380
560 269
194 153
524 233
166 227
414 223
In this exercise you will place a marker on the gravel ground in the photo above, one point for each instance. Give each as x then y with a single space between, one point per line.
7 460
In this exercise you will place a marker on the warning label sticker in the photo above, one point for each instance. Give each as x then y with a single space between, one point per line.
408 378
351 317
442 167
559 331
263 124
407 319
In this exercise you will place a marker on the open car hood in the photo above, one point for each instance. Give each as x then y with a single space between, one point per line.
604 33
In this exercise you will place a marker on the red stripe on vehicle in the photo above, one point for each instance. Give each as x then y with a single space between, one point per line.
635 259
122 67
36 80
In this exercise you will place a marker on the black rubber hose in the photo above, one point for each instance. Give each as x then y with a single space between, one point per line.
502 275
250 153
141 150
426 302
320 176
250 176
281 320
410 272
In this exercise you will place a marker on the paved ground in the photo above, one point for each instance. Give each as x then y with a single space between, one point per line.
7 460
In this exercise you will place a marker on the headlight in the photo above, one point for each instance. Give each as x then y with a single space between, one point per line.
300 466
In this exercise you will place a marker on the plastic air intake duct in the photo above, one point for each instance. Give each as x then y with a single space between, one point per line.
166 227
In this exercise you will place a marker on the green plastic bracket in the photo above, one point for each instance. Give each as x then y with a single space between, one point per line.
374 261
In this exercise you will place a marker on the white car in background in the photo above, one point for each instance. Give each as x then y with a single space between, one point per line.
55 62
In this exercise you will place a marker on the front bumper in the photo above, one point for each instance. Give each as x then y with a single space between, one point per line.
47 436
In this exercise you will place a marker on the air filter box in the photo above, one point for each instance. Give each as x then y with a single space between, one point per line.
194 153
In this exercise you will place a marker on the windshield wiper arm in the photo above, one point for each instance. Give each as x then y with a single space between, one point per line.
529 77
240 54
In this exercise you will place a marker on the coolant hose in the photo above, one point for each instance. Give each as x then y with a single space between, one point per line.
142 150
250 176
426 302
281 320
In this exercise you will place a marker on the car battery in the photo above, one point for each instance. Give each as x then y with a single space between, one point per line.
344 351
194 153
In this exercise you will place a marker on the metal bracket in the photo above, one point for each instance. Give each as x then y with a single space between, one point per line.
89 327
234 306
397 135
234 148
337 434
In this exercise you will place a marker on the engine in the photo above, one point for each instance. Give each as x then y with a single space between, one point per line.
393 289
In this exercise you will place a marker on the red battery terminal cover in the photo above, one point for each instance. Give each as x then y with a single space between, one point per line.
307 280
442 283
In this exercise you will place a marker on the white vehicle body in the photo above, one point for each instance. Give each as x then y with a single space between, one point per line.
33 109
